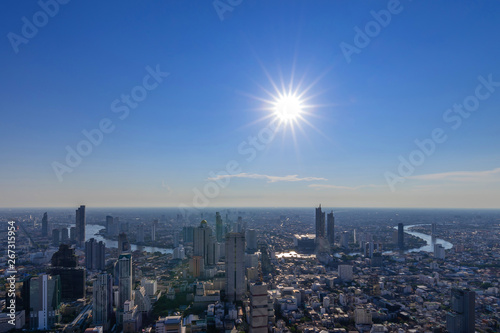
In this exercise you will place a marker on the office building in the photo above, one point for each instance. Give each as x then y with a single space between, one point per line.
401 236
64 235
462 317
320 224
251 238
439 251
123 243
345 273
330 228
102 302
45 301
56 240
154 227
344 239
45 225
109 224
72 278
204 244
94 255
235 266
258 308
219 228
187 234
80 226
172 324
124 279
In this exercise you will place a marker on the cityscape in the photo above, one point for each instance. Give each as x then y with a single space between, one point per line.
284 166
254 270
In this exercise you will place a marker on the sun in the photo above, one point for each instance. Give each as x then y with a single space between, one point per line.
287 107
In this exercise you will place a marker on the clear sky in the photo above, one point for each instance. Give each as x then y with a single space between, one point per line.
366 98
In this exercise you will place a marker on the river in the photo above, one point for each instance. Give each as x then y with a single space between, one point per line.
91 231
429 247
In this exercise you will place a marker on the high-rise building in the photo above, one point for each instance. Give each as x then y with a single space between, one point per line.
320 224
124 279
140 233
109 224
345 273
102 303
462 317
72 234
80 225
251 237
123 243
204 243
72 278
154 226
64 235
45 225
433 229
187 234
258 308
401 236
439 251
94 255
219 228
344 239
235 266
330 228
56 237
45 301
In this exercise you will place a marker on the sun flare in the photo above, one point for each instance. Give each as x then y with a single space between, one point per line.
287 108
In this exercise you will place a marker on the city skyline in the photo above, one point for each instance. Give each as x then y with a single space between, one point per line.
400 116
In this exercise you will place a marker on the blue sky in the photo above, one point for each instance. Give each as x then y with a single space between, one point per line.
363 114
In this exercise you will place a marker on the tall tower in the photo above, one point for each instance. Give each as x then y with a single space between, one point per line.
80 226
45 225
330 229
251 237
94 255
45 301
124 279
153 230
462 318
219 228
320 224
401 236
258 308
235 266
203 244
102 303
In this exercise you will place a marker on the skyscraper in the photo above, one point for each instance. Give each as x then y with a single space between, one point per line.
102 303
45 225
235 266
401 236
72 278
251 237
154 226
258 308
109 224
320 224
123 243
330 230
219 228
203 243
462 317
94 255
45 300
80 226
124 279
